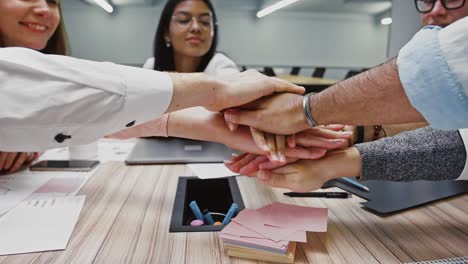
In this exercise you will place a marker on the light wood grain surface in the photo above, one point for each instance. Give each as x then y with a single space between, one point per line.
128 209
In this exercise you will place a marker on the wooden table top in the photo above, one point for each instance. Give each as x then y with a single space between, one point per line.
128 210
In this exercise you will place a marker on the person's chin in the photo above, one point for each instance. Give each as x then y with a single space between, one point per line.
196 52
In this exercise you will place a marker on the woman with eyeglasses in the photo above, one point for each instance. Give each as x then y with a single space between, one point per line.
186 40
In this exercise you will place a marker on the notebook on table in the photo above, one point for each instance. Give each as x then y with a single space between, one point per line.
177 151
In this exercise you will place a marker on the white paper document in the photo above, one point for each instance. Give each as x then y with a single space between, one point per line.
211 170
108 150
39 225
18 186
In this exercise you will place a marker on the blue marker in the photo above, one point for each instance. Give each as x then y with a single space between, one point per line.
354 183
208 218
196 211
230 213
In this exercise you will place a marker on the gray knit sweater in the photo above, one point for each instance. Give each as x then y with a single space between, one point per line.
422 154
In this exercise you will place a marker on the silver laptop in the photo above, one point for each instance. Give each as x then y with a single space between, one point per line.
177 150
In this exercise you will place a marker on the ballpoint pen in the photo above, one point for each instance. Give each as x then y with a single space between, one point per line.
354 183
341 195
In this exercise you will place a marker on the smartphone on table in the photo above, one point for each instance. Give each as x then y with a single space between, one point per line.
64 165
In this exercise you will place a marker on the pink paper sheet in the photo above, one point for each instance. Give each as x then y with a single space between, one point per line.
237 233
295 217
255 220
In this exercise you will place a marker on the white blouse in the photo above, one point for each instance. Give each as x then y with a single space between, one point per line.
49 101
220 64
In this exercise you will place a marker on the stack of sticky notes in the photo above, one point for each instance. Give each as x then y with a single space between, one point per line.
271 232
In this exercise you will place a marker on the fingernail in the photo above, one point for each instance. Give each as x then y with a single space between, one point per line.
339 140
230 126
227 162
262 176
269 156
265 148
234 155
274 157
228 117
347 132
282 158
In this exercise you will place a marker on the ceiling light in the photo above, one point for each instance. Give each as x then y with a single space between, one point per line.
274 7
105 5
386 21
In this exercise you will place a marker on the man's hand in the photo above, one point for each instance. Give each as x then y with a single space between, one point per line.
278 114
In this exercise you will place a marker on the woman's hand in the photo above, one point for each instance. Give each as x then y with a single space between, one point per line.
309 175
325 138
299 175
13 161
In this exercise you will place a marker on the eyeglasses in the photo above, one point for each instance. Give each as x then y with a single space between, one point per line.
184 21
426 6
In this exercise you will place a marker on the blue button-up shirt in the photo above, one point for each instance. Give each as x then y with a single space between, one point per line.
433 69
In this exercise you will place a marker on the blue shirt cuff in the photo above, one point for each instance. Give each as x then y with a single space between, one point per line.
429 83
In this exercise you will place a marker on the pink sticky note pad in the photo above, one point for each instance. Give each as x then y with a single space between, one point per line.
236 233
255 242
255 221
296 217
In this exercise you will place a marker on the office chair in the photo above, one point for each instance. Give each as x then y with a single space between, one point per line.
269 71
351 73
295 71
319 72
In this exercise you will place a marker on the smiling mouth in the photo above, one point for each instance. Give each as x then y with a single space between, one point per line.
35 27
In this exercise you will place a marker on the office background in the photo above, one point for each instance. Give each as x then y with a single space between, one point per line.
327 33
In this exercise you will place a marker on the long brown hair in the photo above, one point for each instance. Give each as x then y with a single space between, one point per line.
58 43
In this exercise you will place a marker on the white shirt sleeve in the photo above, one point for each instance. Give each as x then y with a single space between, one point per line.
464 136
221 65
149 64
50 101
433 70
454 44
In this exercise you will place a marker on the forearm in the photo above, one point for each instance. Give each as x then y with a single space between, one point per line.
200 124
373 97
341 163
423 154
190 90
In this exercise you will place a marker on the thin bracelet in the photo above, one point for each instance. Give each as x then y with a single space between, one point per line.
360 135
308 111
377 129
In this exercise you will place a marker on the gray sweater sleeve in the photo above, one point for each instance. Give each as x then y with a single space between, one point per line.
422 154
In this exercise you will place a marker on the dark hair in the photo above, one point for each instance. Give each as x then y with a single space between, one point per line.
57 44
164 56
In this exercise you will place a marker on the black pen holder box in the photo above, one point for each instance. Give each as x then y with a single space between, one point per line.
213 195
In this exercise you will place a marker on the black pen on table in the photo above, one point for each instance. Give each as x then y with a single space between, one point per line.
340 195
